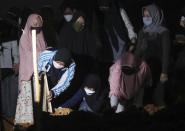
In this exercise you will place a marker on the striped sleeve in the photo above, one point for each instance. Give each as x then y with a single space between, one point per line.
44 59
64 81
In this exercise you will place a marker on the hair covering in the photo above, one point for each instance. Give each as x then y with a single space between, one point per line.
126 86
78 14
96 100
157 19
26 12
114 25
63 55
79 43
92 81
25 49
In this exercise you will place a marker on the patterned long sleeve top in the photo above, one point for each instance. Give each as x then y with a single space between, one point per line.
44 64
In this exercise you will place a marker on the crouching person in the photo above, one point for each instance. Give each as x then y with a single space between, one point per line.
92 96
127 78
59 68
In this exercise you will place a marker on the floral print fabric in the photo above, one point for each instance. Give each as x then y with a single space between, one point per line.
24 110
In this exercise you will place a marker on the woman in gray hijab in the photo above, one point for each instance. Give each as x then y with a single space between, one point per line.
154 47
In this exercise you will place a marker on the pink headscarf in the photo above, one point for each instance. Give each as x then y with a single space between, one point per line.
126 86
25 49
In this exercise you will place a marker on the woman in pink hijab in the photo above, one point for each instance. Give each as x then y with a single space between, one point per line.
24 109
127 77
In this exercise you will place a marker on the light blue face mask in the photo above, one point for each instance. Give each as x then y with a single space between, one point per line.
147 20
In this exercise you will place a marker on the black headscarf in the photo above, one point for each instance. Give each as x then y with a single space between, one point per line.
54 74
113 21
96 100
63 55
80 43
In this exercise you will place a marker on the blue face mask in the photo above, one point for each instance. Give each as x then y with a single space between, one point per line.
147 20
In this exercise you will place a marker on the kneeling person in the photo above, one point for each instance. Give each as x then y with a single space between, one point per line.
93 97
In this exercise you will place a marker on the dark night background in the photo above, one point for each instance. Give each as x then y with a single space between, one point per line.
171 8
172 119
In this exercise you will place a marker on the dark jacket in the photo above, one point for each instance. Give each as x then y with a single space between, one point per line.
155 48
98 105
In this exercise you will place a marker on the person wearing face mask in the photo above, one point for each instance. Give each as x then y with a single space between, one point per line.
67 11
68 17
68 14
59 69
75 32
75 35
24 108
92 96
154 47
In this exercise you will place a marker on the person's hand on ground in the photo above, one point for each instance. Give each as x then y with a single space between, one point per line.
151 108
62 111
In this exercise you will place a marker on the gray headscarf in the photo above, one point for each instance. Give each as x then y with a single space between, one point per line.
157 19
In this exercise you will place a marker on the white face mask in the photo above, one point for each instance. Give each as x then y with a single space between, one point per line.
57 66
68 17
89 92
